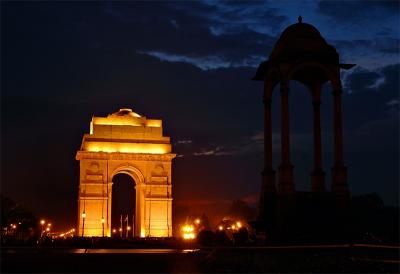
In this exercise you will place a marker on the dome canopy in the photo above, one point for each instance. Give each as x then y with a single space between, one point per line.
303 42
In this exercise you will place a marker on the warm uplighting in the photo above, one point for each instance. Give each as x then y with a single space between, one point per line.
188 232
125 134
187 228
220 228
188 236
95 146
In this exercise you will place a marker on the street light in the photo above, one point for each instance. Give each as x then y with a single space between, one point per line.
83 222
102 224
42 222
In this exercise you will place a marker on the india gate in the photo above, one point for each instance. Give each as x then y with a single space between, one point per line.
125 143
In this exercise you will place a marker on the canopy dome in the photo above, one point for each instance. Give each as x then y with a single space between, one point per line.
303 42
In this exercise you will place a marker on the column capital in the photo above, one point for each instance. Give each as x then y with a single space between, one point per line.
284 89
316 103
267 101
284 85
337 91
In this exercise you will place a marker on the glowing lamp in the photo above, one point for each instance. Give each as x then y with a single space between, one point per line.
83 215
114 230
220 228
102 221
197 221
187 228
48 229
239 224
49 224
188 236
128 228
42 222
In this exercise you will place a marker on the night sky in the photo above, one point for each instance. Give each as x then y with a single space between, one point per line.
189 64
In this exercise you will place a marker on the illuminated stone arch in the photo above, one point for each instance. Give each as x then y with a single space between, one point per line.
125 142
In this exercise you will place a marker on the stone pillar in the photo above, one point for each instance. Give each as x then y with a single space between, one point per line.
317 175
268 173
268 189
339 171
286 184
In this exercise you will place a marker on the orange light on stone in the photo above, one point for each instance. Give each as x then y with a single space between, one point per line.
128 136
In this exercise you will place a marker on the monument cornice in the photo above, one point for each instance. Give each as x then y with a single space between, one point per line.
80 155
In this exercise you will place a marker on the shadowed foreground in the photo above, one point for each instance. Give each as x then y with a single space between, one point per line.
340 258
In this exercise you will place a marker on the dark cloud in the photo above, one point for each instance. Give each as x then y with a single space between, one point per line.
361 11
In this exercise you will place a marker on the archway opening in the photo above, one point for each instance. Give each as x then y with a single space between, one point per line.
123 206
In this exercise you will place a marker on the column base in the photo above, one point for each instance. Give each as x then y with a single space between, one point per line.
286 184
318 180
339 179
267 190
